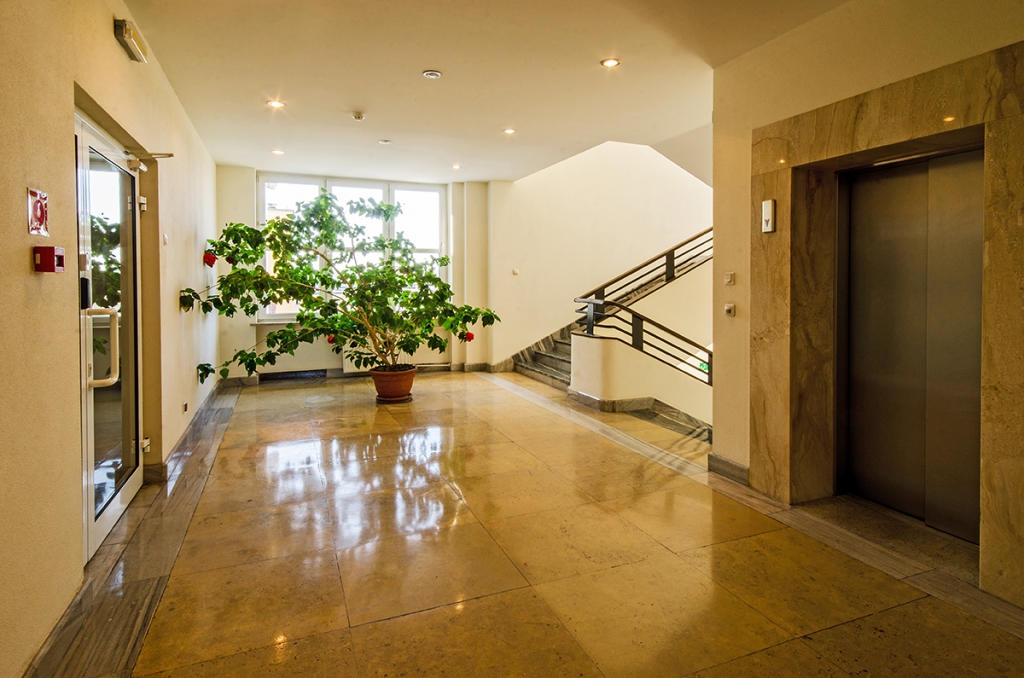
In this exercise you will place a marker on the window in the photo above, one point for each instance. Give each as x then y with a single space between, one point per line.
423 220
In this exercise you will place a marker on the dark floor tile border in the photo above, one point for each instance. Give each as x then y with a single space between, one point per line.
158 473
102 630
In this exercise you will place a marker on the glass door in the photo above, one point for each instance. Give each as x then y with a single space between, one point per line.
109 320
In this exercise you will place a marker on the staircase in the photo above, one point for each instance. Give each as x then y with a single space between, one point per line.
550 359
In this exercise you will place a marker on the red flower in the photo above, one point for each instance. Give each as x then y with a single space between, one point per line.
330 338
469 336
209 258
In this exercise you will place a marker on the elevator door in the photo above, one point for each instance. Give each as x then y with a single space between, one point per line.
916 236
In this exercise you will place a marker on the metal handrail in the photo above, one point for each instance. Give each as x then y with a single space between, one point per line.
673 354
668 262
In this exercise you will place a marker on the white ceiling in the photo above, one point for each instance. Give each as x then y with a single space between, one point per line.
531 65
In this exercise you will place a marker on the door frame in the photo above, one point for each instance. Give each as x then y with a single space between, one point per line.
96 528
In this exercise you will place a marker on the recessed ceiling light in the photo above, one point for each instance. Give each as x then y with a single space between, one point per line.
275 152
456 166
384 142
610 63
274 103
949 118
510 131
431 74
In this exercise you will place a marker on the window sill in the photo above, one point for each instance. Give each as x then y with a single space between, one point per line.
271 321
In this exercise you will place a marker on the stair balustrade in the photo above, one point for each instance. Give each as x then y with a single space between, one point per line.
646 335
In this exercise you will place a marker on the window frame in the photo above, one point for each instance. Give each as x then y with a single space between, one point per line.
328 183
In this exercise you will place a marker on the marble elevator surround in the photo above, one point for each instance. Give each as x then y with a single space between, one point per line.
793 350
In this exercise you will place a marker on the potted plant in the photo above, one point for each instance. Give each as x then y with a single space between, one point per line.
369 297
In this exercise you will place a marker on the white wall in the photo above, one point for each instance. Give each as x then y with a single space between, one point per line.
859 46
576 224
46 48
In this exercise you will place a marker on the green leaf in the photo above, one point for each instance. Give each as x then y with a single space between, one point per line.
204 370
321 264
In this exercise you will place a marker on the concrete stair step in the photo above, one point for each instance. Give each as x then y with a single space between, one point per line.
563 347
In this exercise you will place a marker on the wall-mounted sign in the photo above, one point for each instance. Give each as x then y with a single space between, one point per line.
38 223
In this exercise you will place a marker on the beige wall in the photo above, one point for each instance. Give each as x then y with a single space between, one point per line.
46 47
683 305
859 46
236 203
612 370
578 224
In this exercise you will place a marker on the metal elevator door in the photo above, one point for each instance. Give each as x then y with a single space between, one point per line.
915 249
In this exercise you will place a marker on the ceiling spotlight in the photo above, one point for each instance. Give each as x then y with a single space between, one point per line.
456 166
949 118
384 142
610 63
358 116
276 152
274 103
431 74
510 131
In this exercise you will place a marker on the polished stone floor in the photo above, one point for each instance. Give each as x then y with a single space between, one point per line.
487 529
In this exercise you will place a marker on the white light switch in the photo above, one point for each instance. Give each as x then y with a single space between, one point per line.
730 278
768 216
730 310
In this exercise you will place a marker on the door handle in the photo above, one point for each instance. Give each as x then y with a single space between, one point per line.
115 348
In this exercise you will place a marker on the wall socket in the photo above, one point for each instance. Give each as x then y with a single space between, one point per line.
184 408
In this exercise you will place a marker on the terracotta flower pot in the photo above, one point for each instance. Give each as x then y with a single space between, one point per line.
393 387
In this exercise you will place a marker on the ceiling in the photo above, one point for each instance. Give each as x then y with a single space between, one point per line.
530 65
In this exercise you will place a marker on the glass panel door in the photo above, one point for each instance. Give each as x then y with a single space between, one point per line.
108 272
112 274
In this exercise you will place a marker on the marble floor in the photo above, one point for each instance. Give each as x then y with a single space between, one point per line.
490 529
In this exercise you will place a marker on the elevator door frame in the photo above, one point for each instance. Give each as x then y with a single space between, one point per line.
844 177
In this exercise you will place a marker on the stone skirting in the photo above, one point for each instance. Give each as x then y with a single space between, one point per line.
728 468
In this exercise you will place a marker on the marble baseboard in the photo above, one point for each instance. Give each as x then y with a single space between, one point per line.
507 365
627 405
728 468
154 474
238 382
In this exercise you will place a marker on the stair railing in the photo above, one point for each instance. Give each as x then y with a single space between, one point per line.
647 336
664 267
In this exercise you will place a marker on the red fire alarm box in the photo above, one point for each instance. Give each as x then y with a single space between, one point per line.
49 259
